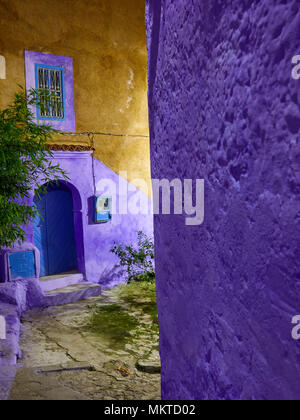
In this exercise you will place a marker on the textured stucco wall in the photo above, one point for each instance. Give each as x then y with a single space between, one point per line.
223 107
107 42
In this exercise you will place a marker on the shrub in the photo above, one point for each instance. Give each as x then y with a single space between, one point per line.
25 164
139 261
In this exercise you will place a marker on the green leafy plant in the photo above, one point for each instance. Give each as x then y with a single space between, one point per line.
139 261
25 163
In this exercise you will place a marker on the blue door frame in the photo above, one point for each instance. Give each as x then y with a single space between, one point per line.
54 231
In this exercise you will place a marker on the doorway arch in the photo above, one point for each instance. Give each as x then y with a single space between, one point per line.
54 230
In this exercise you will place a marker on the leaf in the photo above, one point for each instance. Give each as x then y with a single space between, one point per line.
138 260
24 158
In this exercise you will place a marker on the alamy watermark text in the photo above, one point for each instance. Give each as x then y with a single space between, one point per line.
296 329
296 67
2 328
178 197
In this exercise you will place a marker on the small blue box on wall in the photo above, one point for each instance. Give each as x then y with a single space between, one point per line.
22 265
103 209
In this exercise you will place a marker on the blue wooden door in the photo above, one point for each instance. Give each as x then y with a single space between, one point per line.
54 231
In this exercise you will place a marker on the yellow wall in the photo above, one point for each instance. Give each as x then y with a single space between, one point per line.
107 41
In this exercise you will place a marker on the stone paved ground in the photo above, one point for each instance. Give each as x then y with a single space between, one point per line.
90 350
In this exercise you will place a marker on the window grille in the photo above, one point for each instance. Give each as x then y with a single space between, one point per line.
51 79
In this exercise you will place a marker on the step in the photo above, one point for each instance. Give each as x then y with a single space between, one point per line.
72 294
60 281
9 347
7 378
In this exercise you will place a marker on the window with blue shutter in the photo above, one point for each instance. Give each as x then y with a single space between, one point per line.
50 78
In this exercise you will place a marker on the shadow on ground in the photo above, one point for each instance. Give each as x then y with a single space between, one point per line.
101 348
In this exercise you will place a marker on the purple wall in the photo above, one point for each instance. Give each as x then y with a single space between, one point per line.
224 107
94 241
31 59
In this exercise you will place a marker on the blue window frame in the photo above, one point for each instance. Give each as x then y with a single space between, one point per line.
51 78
